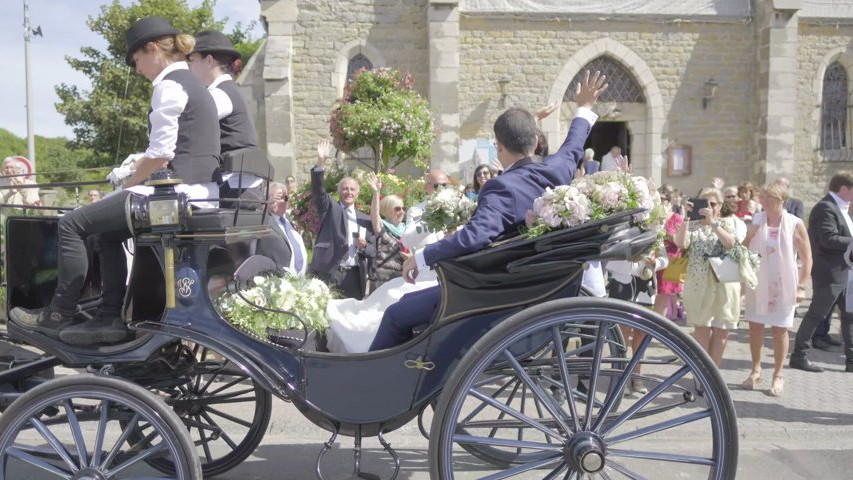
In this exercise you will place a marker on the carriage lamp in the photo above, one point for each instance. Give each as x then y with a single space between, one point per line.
710 90
163 211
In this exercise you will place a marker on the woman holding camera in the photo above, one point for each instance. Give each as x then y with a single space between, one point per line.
712 307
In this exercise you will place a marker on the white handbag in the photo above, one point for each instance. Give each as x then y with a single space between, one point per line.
725 269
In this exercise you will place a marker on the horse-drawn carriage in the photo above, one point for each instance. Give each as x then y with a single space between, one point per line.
525 378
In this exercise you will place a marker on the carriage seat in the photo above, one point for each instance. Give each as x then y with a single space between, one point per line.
523 271
220 219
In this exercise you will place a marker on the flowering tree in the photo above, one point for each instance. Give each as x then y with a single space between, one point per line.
380 110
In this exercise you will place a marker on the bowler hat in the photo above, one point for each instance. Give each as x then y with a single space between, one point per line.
145 30
214 42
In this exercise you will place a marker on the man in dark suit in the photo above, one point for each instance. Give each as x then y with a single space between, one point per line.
830 230
501 206
345 245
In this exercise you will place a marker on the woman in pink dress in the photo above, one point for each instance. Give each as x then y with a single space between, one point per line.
779 238
667 292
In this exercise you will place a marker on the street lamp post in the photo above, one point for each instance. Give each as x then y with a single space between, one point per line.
31 144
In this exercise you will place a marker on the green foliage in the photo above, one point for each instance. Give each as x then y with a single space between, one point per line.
52 155
243 42
380 110
110 121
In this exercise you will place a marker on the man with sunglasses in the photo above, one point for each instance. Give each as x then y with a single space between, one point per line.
416 234
502 205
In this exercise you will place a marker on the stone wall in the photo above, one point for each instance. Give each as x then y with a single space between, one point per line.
820 45
395 30
681 57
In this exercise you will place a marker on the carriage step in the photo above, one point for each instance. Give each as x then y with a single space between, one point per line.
327 446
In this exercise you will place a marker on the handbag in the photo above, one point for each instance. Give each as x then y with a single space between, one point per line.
725 269
676 271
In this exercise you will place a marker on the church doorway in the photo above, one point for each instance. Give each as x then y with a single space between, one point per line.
606 135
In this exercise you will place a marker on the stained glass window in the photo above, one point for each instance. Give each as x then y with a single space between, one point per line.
356 63
833 119
623 87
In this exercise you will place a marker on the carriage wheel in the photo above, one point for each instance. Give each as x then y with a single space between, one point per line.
226 413
509 390
670 431
72 428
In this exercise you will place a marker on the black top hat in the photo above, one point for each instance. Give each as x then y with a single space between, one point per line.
214 42
145 30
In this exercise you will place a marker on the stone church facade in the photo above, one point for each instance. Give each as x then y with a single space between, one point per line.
756 89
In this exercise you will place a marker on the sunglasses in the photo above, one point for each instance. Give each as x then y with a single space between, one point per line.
398 209
484 173
439 185
713 204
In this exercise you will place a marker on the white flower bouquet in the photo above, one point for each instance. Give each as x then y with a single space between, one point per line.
446 209
595 197
306 297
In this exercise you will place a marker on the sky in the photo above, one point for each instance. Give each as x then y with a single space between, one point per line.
63 23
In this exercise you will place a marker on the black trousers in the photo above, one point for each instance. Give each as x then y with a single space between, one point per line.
105 220
346 281
824 299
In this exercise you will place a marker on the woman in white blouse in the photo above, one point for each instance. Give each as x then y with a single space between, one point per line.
184 137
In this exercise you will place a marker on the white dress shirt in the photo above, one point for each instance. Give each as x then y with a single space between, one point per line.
225 107
294 240
167 104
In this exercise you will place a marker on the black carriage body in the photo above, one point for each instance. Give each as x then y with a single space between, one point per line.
360 394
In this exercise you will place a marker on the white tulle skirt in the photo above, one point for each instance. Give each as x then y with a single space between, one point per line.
353 323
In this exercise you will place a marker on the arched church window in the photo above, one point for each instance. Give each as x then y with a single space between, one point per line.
833 119
356 63
623 87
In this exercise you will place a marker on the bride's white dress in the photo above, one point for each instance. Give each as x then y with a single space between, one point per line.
353 323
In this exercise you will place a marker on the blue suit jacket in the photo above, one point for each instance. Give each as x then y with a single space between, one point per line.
504 201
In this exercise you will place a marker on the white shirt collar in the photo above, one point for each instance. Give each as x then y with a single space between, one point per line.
222 78
182 65
844 206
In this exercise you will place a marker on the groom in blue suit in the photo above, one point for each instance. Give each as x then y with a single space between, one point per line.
501 207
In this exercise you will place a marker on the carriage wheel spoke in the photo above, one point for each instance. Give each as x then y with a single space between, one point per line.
511 472
222 387
647 398
659 427
593 375
661 457
556 472
131 425
230 397
134 460
480 407
564 372
604 475
518 415
508 402
624 470
74 425
554 410
204 443
501 442
617 392
226 416
98 448
36 462
55 444
224 436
